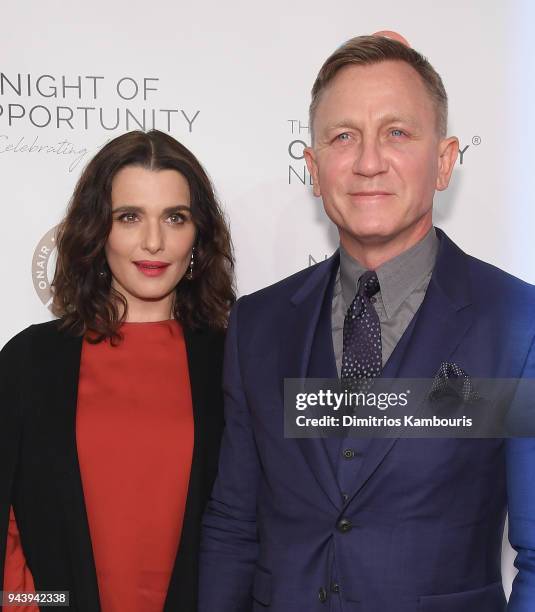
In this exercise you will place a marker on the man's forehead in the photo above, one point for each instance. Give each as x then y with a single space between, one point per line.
405 118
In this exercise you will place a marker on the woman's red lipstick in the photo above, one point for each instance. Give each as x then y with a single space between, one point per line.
151 268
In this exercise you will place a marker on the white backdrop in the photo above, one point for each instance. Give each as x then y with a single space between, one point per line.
232 81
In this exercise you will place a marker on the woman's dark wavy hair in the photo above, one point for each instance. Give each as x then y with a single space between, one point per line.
83 297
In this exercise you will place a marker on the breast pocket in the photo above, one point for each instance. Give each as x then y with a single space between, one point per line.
490 598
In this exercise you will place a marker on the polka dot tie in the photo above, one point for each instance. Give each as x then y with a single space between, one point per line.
362 356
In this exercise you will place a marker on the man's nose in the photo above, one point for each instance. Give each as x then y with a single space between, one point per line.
153 238
369 158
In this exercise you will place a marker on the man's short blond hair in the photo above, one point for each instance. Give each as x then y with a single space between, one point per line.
366 50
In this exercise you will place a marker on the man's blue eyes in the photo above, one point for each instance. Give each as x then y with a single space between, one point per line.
395 132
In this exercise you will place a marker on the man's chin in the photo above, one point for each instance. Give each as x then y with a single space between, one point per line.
371 234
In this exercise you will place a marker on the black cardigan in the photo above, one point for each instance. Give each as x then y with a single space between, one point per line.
40 474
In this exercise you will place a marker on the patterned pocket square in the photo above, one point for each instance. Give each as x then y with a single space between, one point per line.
452 380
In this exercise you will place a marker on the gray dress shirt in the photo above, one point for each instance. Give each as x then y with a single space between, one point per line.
403 281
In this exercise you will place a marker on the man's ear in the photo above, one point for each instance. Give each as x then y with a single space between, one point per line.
448 149
310 158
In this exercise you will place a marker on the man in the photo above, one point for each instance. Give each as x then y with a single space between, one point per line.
382 525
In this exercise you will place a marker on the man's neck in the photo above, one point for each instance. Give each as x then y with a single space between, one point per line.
374 253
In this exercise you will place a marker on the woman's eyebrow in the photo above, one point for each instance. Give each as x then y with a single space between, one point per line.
140 209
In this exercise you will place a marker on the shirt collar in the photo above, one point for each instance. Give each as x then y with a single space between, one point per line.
398 277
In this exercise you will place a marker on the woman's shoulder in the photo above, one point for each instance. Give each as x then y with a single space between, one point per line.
32 336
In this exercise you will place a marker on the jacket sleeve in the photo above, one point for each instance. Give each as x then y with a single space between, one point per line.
520 465
229 544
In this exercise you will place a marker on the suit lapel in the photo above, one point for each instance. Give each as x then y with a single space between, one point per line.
297 339
299 327
431 338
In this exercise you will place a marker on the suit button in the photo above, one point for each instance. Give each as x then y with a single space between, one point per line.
345 497
344 525
348 453
335 587
322 595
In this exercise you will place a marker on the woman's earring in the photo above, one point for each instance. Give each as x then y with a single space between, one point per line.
103 274
189 273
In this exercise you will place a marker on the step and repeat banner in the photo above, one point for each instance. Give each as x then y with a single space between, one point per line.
232 82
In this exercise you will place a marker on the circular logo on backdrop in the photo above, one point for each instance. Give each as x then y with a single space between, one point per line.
43 263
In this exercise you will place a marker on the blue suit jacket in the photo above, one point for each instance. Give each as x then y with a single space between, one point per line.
427 515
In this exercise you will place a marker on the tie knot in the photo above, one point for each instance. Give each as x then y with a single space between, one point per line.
368 284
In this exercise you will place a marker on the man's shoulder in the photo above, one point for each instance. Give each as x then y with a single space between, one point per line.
284 290
489 280
488 284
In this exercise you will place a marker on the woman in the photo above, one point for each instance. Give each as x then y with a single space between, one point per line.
112 414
